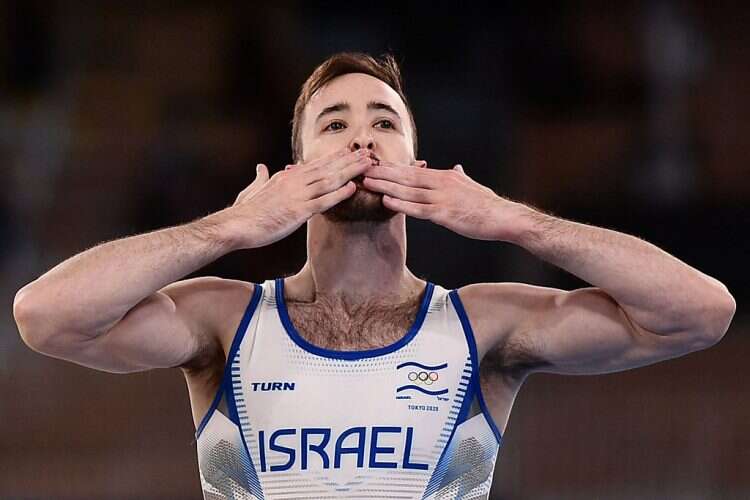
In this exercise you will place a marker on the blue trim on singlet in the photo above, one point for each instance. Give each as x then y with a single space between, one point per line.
226 380
420 365
350 355
421 389
472 388
256 489
458 305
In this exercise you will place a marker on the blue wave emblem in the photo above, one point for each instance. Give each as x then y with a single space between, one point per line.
421 389
420 365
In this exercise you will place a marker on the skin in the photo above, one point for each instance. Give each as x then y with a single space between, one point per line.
644 305
359 229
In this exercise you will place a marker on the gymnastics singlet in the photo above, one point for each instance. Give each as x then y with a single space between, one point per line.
404 421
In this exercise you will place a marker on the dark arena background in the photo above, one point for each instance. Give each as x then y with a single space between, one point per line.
117 118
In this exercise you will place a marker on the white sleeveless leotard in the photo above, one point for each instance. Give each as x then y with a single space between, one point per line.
295 421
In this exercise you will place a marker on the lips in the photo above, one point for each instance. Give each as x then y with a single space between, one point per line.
373 156
361 177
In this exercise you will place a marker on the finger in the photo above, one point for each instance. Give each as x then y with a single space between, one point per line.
261 177
338 178
417 210
324 169
406 193
330 199
459 168
261 173
407 176
324 160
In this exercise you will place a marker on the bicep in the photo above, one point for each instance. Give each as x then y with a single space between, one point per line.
158 332
579 332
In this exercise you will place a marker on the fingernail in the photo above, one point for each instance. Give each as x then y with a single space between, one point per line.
257 168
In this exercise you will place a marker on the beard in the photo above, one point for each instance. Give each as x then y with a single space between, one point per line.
363 206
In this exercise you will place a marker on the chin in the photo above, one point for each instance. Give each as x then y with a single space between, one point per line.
363 206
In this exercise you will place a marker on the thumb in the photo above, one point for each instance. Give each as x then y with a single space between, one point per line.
261 172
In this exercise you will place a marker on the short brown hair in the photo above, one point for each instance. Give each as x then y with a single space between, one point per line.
385 69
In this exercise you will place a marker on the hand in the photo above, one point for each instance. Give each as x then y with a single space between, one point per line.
446 197
271 209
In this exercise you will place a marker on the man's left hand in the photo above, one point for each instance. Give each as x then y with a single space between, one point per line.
446 197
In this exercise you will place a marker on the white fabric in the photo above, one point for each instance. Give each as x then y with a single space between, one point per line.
404 421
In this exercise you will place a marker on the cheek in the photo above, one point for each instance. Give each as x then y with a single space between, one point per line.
323 145
397 149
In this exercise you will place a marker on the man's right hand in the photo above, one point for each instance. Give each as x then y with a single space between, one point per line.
271 209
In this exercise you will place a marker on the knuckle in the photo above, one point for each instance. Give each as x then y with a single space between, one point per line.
342 178
316 206
324 185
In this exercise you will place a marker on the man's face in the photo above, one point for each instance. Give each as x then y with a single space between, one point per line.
358 111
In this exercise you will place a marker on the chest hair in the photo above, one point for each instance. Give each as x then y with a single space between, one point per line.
365 325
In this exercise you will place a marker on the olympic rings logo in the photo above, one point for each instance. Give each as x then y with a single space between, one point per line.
426 378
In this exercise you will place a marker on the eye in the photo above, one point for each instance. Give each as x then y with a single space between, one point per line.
330 126
389 122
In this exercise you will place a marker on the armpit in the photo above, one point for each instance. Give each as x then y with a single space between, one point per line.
210 358
515 357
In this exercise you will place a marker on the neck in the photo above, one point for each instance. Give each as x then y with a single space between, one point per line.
355 262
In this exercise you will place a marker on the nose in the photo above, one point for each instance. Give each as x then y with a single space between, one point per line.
362 140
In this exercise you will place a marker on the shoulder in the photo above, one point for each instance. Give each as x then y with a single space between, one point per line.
491 307
213 307
209 297
496 311
204 286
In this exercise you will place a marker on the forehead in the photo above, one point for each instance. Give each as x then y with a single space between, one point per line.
358 89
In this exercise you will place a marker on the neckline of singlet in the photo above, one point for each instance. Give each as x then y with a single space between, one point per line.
350 355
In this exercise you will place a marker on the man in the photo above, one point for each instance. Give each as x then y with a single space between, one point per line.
353 377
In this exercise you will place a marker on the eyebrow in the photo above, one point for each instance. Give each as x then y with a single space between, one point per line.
344 106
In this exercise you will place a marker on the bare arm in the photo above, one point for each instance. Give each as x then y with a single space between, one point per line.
646 305
90 292
116 307
656 290
110 307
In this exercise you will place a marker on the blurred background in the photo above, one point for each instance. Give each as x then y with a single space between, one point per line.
118 118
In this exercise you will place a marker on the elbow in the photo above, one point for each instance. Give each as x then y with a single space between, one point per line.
716 318
28 319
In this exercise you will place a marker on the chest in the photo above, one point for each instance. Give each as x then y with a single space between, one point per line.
363 326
